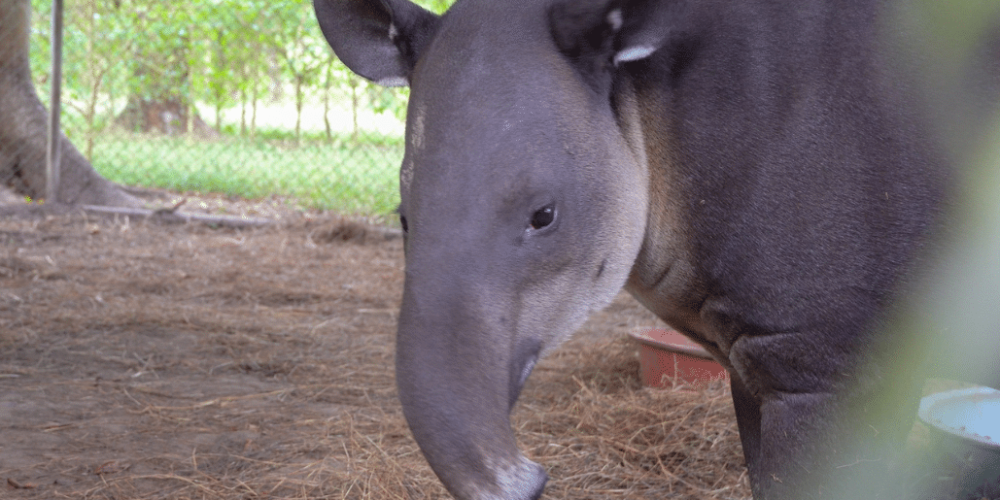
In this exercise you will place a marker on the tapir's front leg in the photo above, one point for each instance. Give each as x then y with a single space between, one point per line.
822 433
797 454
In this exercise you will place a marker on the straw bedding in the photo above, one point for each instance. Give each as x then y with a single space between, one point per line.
152 361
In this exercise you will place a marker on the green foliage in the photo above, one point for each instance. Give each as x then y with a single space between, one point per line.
218 55
211 51
436 6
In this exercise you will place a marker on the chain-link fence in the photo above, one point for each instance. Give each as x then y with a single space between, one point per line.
241 97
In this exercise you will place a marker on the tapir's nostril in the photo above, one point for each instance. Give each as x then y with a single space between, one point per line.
526 371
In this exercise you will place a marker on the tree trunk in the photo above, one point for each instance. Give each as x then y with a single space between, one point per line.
24 126
253 116
327 83
160 104
243 114
299 104
355 103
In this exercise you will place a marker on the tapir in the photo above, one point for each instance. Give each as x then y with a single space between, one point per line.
757 173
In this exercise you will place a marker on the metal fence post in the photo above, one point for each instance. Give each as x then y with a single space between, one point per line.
53 154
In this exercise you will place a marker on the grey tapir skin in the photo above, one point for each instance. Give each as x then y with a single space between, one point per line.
754 172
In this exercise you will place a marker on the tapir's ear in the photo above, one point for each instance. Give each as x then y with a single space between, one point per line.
380 40
603 32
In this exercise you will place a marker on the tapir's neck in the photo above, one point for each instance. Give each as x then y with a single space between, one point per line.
664 277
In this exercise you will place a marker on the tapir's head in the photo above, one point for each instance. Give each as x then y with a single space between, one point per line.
524 199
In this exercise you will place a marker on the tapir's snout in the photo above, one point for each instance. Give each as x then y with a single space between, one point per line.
526 481
531 482
457 389
525 206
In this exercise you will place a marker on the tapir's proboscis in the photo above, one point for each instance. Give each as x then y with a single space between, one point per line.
760 174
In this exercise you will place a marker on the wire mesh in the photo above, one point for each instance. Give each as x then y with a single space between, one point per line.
243 98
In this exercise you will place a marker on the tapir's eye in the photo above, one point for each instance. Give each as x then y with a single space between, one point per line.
543 217
402 223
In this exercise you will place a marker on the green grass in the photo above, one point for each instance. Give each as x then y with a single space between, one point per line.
357 177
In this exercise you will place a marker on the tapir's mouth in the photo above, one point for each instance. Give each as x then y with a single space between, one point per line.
525 357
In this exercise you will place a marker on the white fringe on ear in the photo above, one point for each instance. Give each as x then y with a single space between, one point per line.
627 54
393 81
634 53
615 20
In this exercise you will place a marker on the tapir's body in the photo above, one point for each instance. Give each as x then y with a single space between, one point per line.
756 173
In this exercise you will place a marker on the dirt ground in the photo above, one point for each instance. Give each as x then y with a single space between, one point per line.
145 360
180 361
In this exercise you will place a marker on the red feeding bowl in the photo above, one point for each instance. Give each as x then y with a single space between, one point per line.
666 354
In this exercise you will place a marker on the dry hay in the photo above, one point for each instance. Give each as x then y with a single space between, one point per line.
149 361
140 360
597 432
603 436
